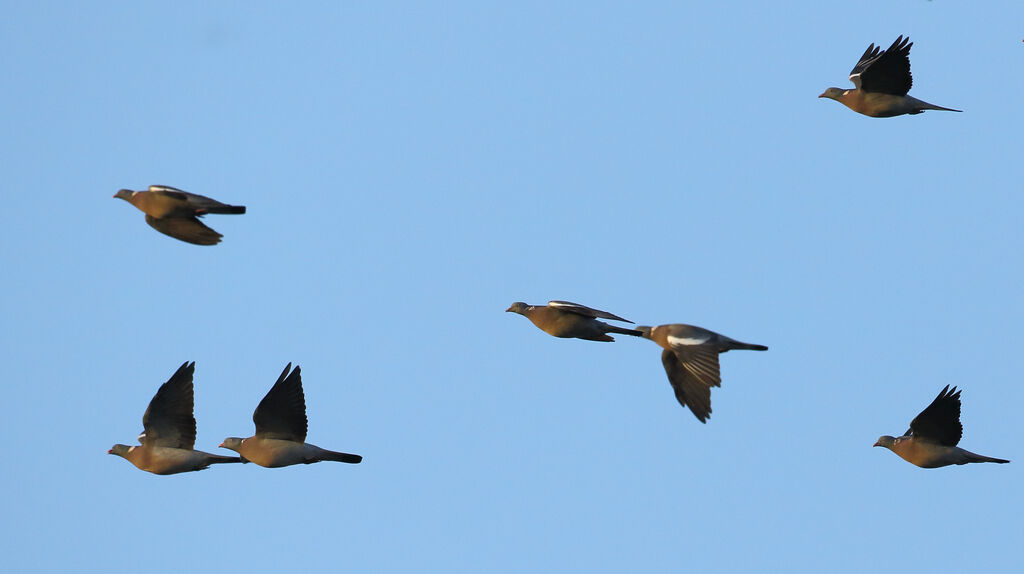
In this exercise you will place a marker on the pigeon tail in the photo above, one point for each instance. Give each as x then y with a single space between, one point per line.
747 347
340 457
980 458
916 106
927 106
218 459
622 330
225 209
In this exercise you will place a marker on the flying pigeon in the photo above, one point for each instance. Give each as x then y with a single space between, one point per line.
170 431
281 424
174 212
882 79
690 358
571 320
933 435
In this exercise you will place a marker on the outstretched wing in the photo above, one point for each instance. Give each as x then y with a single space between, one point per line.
940 421
885 71
169 420
282 412
198 204
585 311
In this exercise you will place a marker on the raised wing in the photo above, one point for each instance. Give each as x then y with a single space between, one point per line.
168 420
282 412
885 71
940 421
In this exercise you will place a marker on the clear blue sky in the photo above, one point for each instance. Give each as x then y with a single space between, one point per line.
410 171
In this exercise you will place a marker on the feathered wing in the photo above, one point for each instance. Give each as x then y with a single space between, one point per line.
187 229
689 390
939 422
701 362
885 71
168 420
199 204
282 412
585 311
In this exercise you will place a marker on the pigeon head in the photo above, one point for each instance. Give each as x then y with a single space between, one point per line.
886 441
233 443
832 93
517 307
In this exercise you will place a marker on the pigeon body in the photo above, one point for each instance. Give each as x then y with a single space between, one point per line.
176 213
690 358
933 435
882 79
572 320
168 460
275 453
281 427
170 431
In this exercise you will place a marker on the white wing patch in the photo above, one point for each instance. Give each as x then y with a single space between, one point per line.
686 340
163 188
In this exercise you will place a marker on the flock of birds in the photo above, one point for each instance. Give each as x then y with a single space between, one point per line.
882 81
169 430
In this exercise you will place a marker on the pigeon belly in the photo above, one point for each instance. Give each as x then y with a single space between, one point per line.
168 460
924 455
274 453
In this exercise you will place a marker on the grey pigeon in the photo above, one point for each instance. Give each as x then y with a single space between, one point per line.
176 213
882 79
281 426
933 435
169 431
690 359
571 320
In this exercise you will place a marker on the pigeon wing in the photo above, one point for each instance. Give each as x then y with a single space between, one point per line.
169 420
885 71
585 311
689 390
939 422
282 412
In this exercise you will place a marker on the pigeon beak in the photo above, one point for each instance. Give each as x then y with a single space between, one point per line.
111 451
876 444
